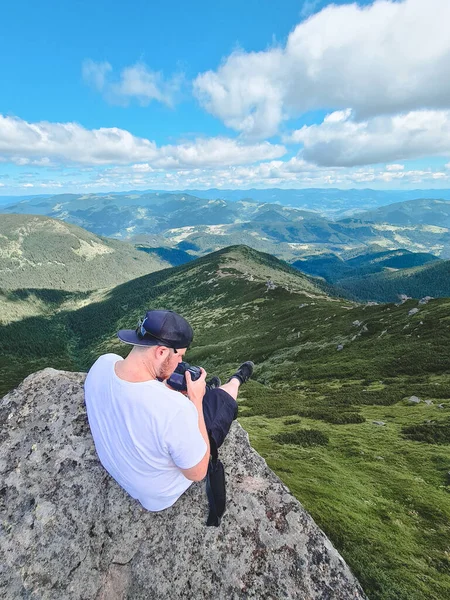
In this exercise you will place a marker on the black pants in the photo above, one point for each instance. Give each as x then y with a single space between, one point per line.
219 411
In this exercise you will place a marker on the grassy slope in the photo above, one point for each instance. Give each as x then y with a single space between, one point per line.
382 499
37 251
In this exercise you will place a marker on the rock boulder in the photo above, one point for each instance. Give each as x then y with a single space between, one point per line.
68 531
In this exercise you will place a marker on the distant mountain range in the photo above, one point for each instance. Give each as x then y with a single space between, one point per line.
124 216
331 202
199 226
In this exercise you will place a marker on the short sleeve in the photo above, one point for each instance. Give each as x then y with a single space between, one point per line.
184 439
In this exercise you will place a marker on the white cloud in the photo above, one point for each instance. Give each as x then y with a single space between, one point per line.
95 73
245 93
216 152
38 162
36 143
384 58
136 81
395 167
338 142
294 173
142 168
71 142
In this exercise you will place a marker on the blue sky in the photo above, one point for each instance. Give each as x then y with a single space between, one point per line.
99 96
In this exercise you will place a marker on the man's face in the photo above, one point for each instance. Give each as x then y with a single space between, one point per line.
170 363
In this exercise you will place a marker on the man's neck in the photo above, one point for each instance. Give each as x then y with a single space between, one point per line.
128 371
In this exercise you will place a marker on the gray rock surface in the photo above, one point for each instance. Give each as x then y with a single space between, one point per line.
68 531
414 400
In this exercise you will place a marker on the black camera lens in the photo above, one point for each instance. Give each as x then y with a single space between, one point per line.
177 380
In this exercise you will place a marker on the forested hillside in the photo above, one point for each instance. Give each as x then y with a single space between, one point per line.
45 253
432 279
381 276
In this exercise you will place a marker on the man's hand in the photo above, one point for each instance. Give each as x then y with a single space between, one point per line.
196 389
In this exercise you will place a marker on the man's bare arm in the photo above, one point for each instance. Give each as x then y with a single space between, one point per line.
196 391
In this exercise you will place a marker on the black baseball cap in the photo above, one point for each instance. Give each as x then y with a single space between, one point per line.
159 328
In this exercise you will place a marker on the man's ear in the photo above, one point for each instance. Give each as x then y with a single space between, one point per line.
160 351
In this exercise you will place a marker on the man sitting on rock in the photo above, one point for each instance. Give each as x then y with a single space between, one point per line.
151 439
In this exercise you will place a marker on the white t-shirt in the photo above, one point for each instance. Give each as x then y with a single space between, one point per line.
144 433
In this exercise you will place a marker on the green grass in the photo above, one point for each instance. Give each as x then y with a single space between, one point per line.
383 500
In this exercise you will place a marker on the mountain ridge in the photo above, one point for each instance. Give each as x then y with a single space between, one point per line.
421 211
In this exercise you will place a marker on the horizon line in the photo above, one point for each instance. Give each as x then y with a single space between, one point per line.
176 191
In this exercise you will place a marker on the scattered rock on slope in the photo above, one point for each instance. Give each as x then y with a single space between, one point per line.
414 400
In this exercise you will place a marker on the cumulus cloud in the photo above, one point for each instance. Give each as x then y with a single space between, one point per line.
36 143
380 59
343 141
136 81
216 152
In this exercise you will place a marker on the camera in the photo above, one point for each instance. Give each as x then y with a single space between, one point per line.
177 380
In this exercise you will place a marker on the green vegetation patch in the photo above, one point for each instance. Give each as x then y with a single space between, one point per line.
334 416
431 433
302 437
